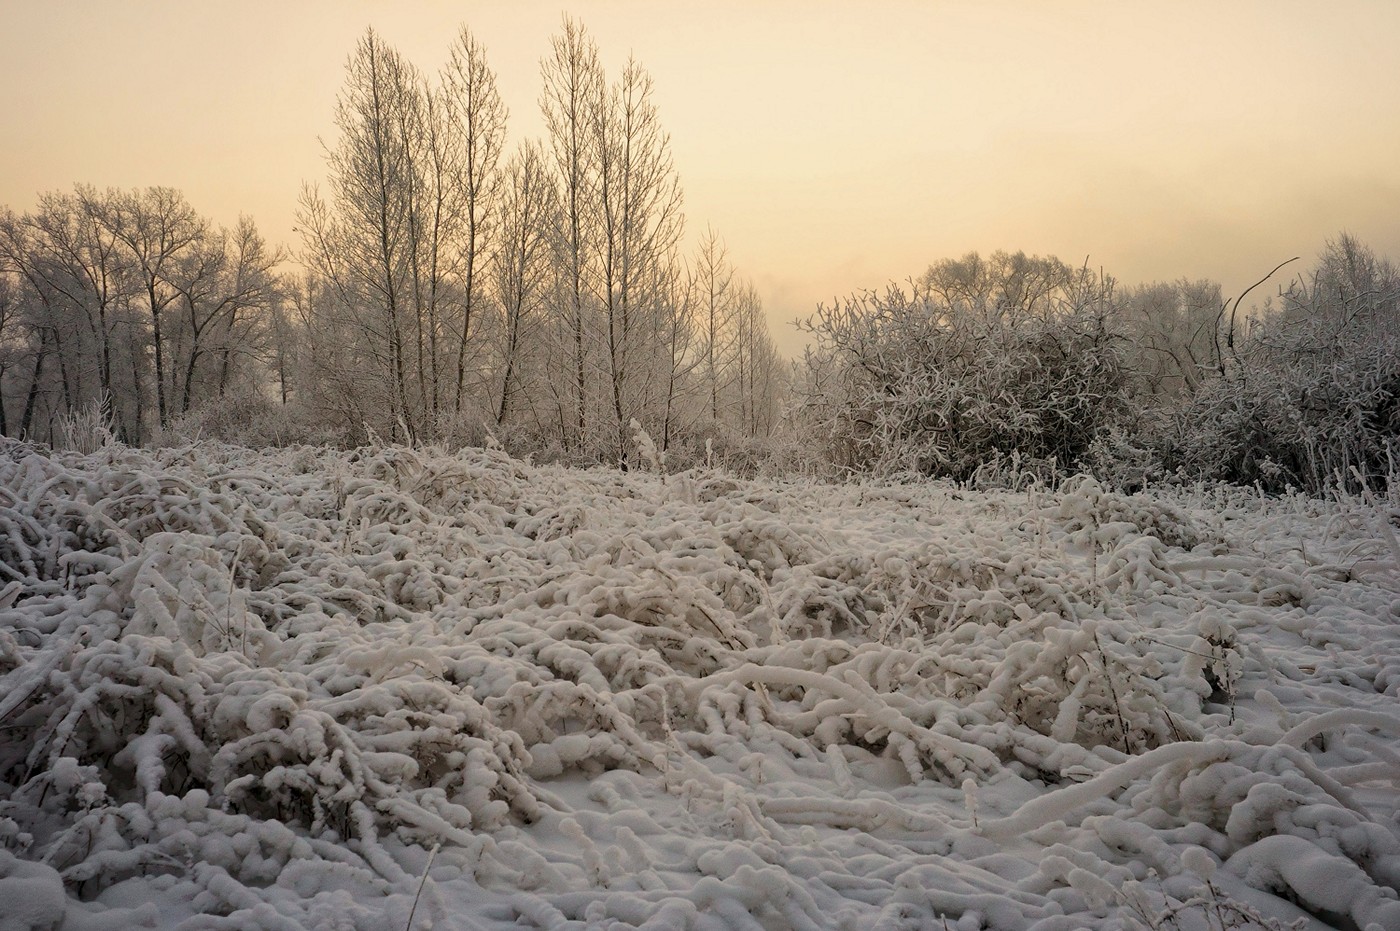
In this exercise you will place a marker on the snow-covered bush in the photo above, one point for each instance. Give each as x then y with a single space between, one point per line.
938 379
1309 397
249 418
1124 456
85 430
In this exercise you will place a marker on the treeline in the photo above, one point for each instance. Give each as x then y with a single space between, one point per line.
451 286
130 307
984 362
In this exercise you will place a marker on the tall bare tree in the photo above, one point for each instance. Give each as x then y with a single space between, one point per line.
639 200
361 243
403 242
573 87
713 289
522 263
475 130
157 227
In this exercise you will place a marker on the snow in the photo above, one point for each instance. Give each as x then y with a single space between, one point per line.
392 687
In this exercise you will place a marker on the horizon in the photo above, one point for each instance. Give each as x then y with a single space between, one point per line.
1208 143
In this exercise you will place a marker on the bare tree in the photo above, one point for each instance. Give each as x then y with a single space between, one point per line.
526 217
124 293
285 338
1172 328
403 244
639 199
20 285
757 366
573 87
78 271
1005 285
11 345
361 243
157 227
221 281
341 373
675 336
713 284
475 130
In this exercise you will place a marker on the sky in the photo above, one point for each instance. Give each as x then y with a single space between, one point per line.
835 147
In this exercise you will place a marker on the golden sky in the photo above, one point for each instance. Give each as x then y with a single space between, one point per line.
834 146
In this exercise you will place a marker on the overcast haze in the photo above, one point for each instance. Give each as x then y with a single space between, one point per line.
833 146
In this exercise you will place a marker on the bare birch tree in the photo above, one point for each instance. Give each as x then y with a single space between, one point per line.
639 198
156 227
474 130
361 242
522 263
573 87
713 290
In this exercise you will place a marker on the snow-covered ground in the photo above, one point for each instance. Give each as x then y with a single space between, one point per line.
395 688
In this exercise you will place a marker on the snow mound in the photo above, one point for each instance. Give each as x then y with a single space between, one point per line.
392 688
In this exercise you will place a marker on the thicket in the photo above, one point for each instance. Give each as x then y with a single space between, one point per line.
977 360
1309 395
984 362
451 287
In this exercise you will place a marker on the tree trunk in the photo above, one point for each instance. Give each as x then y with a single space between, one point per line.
105 373
469 286
158 342
225 369
578 360
62 368
32 400
505 391
186 398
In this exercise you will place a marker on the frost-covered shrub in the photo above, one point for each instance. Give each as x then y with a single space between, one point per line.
1309 397
936 380
85 430
247 417
1124 457
1280 425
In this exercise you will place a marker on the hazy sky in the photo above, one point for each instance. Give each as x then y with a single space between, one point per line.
834 146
